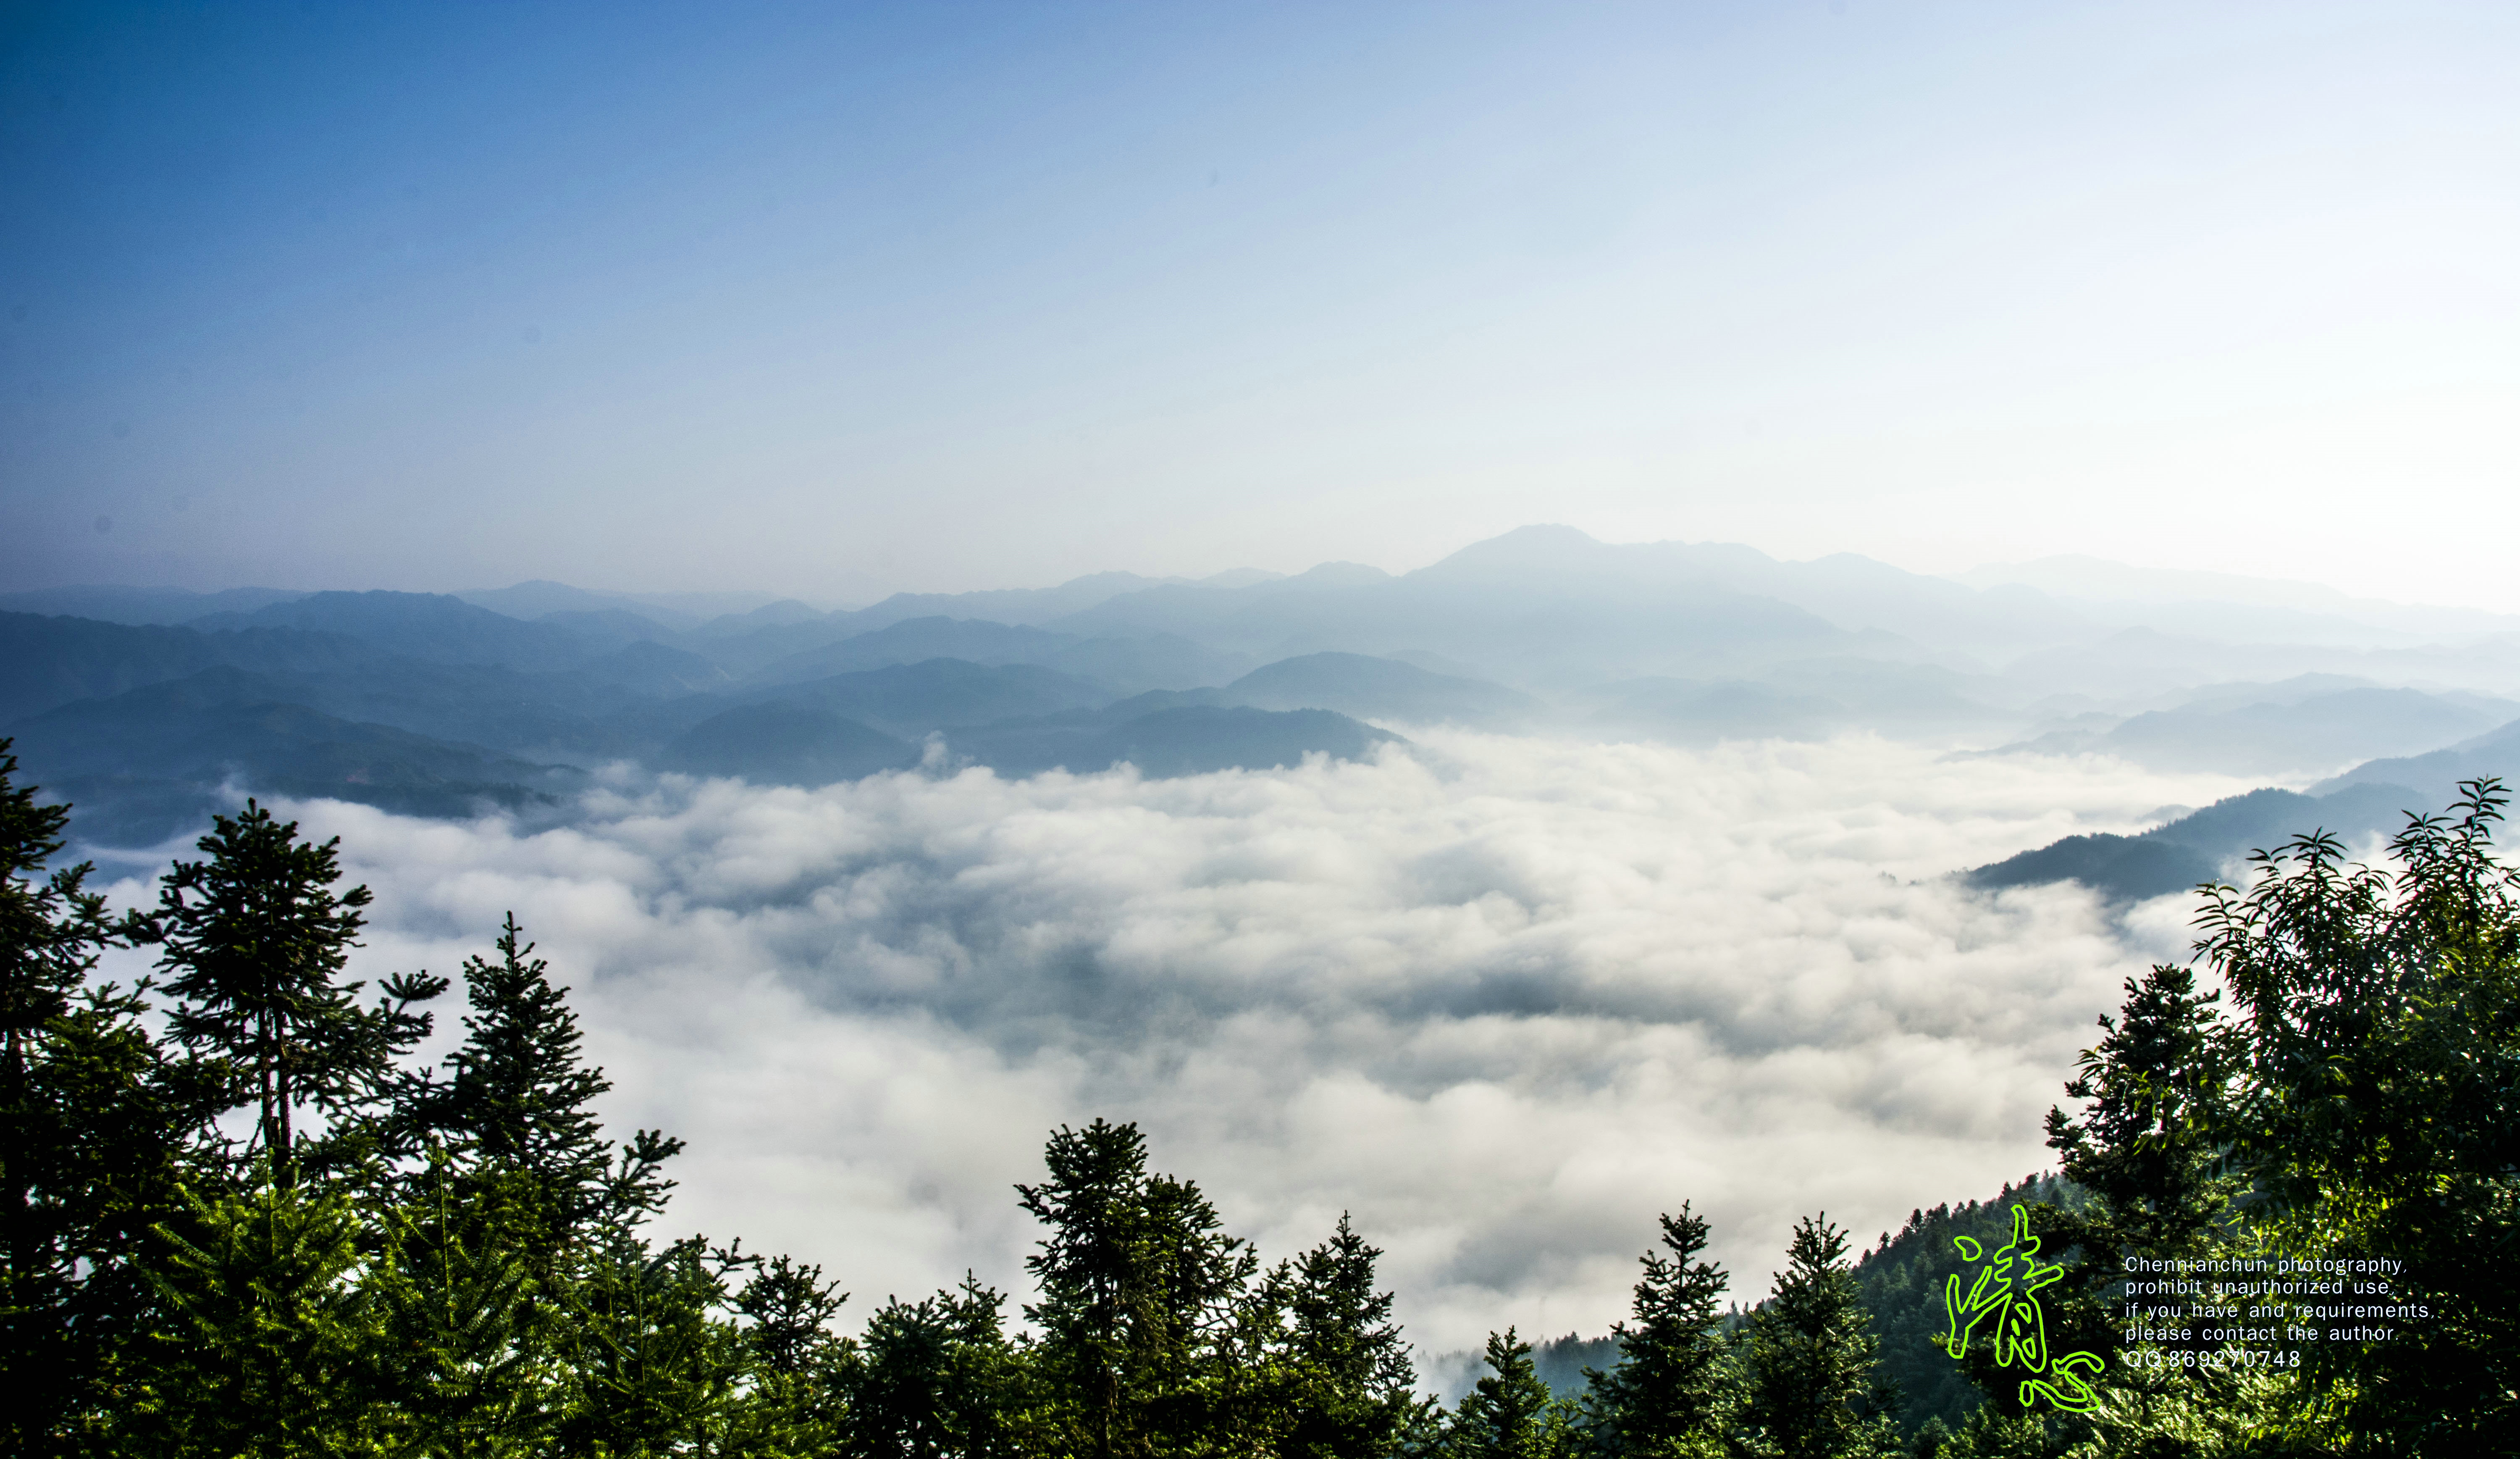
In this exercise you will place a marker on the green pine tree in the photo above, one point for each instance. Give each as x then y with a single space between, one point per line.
1808 1357
649 1366
255 943
269 1334
1141 1294
2145 1149
1510 1413
518 1111
1676 1385
2376 1113
464 1363
2160 1076
937 1378
795 1366
1349 1387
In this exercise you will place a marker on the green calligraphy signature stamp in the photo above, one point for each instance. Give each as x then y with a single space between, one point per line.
2004 1301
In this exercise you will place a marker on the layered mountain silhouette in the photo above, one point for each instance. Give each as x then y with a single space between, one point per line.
447 708
140 606
145 764
430 626
2303 726
1161 661
786 743
498 697
1373 688
2436 777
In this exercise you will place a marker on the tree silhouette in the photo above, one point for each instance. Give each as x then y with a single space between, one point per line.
255 942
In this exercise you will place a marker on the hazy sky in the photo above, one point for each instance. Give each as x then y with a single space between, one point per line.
836 300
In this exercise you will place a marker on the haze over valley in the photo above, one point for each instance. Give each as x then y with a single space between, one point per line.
1501 902
438 703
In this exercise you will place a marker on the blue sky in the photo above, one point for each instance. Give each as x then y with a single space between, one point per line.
837 299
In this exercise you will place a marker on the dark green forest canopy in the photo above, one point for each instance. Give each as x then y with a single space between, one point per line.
239 1216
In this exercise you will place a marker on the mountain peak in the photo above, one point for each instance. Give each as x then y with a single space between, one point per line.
1548 547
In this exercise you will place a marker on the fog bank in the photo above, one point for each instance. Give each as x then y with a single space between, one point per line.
1503 999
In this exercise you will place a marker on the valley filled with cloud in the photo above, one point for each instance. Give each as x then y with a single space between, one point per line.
1503 998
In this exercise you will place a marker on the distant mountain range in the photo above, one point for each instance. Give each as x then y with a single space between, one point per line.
154 701
432 705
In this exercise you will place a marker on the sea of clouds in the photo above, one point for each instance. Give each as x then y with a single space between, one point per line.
1503 999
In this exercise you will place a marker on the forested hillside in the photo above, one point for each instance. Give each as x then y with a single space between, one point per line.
1903 1279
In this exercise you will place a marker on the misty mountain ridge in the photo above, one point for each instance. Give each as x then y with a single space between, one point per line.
782 742
2138 665
2309 733
138 606
1132 666
2003 604
447 739
912 699
1375 688
1016 607
430 627
2434 777
1551 628
56 660
1539 630
145 765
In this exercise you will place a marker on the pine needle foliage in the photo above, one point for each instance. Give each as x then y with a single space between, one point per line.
939 1378
463 1364
255 942
1676 1383
1809 1388
1510 1414
516 1112
1141 1290
268 1331
1348 1384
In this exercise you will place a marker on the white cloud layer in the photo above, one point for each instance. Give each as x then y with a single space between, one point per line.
1503 999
